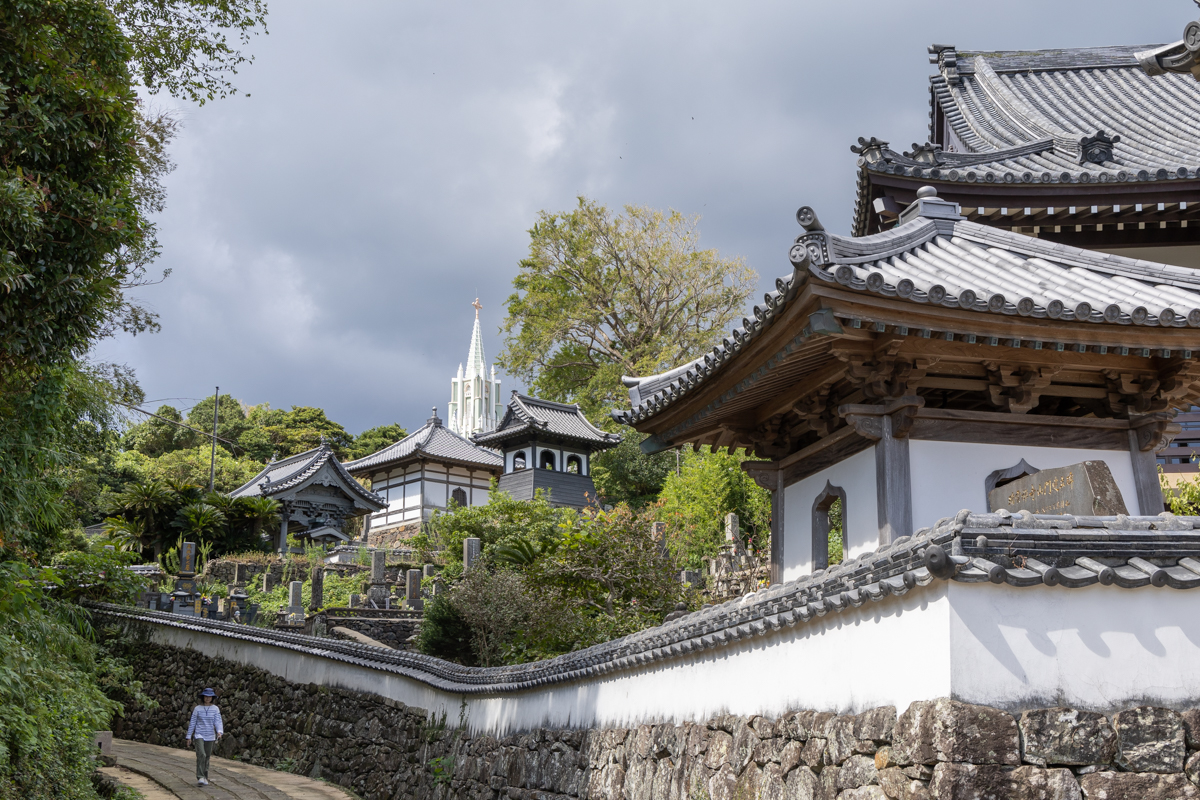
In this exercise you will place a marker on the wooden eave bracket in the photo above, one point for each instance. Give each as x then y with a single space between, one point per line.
867 420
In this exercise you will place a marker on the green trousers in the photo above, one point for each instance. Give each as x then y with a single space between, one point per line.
204 751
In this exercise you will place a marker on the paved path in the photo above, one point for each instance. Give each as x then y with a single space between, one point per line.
173 775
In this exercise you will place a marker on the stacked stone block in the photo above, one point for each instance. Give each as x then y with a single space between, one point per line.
936 750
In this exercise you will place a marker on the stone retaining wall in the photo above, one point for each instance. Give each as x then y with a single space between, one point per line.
939 749
392 632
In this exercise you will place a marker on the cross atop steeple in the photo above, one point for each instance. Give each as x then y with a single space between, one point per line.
478 306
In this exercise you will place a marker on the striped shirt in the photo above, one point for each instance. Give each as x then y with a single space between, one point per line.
206 723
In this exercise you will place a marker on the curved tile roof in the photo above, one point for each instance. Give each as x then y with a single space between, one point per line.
1019 550
527 415
291 472
432 441
935 257
1027 117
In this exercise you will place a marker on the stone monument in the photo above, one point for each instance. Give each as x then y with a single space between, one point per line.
471 547
378 592
185 600
318 589
412 590
1086 489
295 608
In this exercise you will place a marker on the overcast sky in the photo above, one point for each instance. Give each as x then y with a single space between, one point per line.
327 234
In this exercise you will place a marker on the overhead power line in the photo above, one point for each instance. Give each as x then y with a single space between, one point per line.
179 424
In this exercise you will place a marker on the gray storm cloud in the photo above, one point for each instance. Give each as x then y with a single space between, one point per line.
328 233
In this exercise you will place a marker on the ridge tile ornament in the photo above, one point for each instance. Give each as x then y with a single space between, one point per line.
1097 149
1085 489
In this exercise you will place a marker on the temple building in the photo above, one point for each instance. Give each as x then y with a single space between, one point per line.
475 393
911 372
426 471
547 446
1094 147
316 496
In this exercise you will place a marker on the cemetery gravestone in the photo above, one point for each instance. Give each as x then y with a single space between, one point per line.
318 589
1085 489
412 590
295 609
471 547
378 593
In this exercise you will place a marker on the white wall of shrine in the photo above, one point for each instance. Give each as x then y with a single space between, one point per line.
415 491
1101 648
856 475
949 476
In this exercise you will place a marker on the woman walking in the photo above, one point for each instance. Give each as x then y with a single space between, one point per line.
207 728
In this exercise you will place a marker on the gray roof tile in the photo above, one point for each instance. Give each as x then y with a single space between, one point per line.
1019 117
957 264
288 473
530 415
432 441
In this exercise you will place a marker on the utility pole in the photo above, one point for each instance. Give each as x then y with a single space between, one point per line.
212 463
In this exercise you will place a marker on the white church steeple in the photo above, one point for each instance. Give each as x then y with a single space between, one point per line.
475 393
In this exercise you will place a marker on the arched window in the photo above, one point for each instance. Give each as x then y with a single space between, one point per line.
828 526
547 460
459 496
574 465
519 461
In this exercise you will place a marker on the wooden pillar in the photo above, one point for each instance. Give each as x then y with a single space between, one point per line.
283 530
1147 436
893 484
777 529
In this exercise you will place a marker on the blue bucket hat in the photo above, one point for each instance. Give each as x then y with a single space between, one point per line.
208 693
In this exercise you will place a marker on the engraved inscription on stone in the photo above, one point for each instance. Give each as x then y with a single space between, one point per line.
1086 489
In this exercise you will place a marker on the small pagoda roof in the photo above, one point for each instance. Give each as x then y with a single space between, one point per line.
293 473
529 416
1053 121
937 261
433 441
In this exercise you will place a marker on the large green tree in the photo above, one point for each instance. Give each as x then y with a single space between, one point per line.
602 294
375 439
695 500
81 165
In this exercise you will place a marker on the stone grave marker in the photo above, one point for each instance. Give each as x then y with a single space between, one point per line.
412 590
355 600
318 589
295 609
187 560
471 547
428 571
1085 489
378 593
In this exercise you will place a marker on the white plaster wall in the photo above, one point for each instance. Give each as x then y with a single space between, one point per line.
887 653
857 476
1101 648
948 476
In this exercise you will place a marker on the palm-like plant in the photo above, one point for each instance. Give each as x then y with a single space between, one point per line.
261 512
199 520
518 553
125 534
142 505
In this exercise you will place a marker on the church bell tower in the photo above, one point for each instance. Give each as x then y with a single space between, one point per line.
475 405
